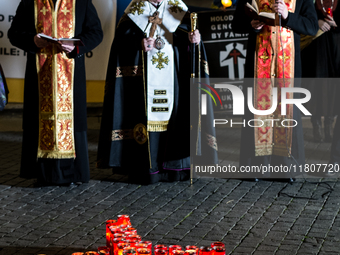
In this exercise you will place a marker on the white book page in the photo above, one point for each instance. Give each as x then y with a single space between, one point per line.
251 7
269 15
253 2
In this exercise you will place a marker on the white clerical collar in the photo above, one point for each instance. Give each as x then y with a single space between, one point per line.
171 11
156 4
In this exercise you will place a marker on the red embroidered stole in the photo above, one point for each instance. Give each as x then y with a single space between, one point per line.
55 76
273 138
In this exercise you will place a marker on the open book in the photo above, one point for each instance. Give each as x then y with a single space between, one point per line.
252 10
69 41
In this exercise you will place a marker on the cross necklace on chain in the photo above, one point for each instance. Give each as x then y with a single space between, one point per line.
155 20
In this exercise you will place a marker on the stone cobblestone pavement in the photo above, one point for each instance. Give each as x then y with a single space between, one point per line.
249 217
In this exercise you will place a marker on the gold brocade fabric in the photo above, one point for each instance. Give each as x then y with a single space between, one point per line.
55 76
271 59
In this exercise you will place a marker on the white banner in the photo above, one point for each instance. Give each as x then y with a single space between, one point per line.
13 60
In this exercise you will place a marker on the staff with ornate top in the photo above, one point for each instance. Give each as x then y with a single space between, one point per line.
193 18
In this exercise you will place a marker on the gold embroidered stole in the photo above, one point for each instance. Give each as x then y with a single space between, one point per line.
55 78
273 138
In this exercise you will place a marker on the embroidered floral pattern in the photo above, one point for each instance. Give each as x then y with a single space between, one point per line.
206 67
160 60
136 7
212 141
174 6
55 73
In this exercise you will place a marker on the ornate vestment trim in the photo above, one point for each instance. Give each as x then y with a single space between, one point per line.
122 134
206 67
160 62
212 141
55 80
273 139
129 71
139 134
157 126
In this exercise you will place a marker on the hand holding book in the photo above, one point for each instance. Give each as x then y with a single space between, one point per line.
66 41
267 18
63 44
40 42
256 24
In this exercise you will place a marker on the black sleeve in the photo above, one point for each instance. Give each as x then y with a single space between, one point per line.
186 23
92 33
305 22
241 22
22 31
217 3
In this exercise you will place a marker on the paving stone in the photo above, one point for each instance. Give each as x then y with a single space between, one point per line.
250 218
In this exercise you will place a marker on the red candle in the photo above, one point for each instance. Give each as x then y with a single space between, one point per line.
124 227
128 233
205 250
104 250
161 251
174 247
141 245
120 247
124 219
109 223
132 230
217 244
218 250
148 243
191 250
119 235
115 229
191 247
161 246
91 253
129 251
177 252
131 243
78 253
143 251
330 12
115 243
135 238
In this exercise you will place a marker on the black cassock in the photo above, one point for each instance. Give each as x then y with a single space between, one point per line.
322 60
302 21
21 34
124 108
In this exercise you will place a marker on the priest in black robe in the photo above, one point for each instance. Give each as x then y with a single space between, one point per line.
145 129
266 60
54 147
321 59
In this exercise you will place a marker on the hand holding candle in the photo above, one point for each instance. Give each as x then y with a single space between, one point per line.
330 21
